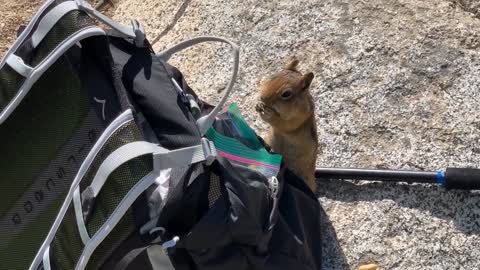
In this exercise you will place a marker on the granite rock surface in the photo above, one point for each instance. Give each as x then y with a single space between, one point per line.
397 86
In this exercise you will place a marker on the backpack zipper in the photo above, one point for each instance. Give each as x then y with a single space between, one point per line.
188 100
180 91
273 186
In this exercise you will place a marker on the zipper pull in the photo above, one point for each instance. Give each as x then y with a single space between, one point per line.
274 186
188 100
180 92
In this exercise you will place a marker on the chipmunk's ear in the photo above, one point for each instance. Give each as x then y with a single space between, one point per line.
307 80
292 64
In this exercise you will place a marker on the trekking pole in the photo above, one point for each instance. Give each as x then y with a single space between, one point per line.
451 178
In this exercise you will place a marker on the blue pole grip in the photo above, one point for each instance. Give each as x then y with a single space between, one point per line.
440 178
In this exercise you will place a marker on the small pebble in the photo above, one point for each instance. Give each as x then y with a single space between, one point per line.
370 266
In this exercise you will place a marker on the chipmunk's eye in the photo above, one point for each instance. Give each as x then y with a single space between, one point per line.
287 94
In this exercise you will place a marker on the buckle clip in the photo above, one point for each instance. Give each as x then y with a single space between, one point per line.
194 108
209 151
139 32
85 6
167 244
170 244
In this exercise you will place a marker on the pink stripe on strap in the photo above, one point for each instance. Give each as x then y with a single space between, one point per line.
247 161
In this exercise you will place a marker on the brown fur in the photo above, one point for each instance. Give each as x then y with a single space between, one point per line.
293 131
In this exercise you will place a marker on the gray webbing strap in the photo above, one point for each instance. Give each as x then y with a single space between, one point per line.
116 159
53 16
45 24
113 161
136 31
50 19
46 259
114 218
17 64
77 204
206 121
162 159
38 71
158 258
26 32
121 120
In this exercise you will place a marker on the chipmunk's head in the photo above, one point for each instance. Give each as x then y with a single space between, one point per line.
284 99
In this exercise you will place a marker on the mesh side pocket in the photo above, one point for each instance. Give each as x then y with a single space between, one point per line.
44 141
10 80
68 25
125 134
115 189
120 181
215 190
118 235
65 256
67 246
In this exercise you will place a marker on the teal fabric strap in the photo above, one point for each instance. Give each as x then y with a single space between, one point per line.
236 148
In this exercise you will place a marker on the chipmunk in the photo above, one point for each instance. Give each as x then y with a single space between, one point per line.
286 104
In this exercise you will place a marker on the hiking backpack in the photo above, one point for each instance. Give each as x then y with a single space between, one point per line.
111 161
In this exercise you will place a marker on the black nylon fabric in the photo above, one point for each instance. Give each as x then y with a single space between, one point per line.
147 85
236 232
148 81
242 229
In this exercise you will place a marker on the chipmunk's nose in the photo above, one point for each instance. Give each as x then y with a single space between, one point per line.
260 100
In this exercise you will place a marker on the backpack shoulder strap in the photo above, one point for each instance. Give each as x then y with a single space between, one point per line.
162 159
42 24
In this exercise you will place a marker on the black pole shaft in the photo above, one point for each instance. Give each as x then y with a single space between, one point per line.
377 175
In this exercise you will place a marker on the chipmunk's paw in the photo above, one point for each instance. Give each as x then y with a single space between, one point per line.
266 113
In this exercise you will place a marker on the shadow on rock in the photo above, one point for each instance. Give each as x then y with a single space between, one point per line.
462 207
332 254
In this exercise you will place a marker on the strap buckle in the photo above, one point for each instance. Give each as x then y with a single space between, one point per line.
85 6
17 64
209 151
167 244
170 244
137 32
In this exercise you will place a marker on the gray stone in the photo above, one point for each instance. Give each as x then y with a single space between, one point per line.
396 87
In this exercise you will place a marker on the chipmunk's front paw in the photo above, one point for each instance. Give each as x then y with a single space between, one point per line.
266 113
